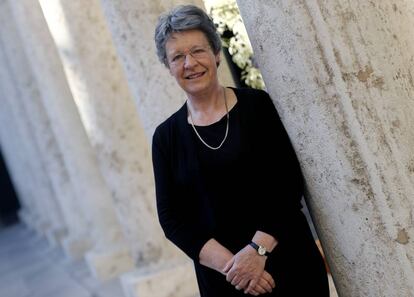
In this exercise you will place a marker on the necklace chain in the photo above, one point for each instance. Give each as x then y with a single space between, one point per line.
227 126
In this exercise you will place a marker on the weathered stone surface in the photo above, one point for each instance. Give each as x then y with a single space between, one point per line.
16 163
91 192
341 75
173 280
75 242
36 189
109 115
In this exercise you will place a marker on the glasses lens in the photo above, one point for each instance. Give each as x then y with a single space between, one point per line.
197 53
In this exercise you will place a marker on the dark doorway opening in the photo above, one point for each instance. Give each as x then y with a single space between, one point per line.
9 203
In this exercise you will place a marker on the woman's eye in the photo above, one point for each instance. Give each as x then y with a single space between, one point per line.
198 51
177 58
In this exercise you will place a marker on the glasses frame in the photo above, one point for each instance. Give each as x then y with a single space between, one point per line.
179 58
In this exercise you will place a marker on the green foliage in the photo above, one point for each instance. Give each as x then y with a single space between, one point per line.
233 33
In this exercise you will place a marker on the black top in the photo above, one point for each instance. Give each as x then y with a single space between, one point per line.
253 182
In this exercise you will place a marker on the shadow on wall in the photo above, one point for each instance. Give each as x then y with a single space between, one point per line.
315 235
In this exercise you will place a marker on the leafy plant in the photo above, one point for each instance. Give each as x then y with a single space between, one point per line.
234 37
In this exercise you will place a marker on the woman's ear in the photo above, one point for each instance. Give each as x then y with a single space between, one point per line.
218 59
169 69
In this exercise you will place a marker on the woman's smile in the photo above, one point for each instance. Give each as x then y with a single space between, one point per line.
195 75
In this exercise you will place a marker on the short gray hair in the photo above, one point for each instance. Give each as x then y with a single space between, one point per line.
182 18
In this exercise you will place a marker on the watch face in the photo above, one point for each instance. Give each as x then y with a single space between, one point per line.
261 250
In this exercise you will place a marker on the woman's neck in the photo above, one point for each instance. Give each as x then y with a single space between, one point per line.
206 101
208 107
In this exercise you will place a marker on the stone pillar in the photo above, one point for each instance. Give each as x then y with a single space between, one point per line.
109 115
80 160
16 164
15 156
48 220
21 71
341 75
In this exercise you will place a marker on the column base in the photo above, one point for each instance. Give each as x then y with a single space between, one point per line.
27 217
56 236
42 227
76 247
173 279
108 264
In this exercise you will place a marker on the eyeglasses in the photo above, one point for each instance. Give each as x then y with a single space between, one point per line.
197 52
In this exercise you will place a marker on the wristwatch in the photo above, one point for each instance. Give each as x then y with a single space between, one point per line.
261 250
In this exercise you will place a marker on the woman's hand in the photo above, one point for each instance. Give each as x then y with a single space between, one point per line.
265 285
245 270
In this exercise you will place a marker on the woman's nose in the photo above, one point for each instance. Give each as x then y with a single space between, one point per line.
189 61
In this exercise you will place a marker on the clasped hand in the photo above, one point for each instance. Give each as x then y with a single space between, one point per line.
245 271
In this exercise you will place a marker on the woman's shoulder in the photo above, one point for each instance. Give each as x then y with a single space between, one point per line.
167 126
251 98
248 92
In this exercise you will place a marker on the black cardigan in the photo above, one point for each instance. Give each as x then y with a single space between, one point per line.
274 181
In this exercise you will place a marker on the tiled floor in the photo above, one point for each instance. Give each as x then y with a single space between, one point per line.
30 268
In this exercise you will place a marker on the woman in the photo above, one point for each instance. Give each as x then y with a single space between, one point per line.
228 184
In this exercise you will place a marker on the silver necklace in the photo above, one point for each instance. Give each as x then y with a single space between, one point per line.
227 126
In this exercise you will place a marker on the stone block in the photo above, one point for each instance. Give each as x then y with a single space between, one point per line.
174 279
108 264
75 248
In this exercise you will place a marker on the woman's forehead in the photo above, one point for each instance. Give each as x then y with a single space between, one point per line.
186 39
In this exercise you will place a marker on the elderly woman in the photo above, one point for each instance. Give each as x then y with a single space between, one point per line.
228 183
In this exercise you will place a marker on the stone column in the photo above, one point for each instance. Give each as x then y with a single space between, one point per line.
341 75
33 110
15 157
48 220
80 160
109 115
16 164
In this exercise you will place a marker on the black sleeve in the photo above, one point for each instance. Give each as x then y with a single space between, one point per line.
178 225
280 180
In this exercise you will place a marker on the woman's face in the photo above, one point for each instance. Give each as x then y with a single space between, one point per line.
191 61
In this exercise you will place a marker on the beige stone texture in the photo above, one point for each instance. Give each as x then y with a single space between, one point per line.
39 194
109 115
341 75
50 153
91 192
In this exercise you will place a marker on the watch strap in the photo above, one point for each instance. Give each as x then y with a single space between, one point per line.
259 249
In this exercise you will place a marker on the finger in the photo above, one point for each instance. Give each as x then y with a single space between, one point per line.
265 285
243 284
252 285
258 288
229 264
230 275
253 292
235 280
269 279
261 290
